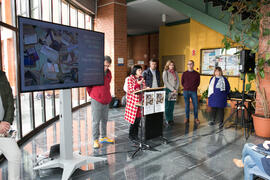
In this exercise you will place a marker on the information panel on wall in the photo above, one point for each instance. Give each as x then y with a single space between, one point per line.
54 56
228 60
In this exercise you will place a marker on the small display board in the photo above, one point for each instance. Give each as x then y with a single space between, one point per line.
154 102
228 60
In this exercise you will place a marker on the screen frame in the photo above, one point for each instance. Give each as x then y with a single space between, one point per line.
20 18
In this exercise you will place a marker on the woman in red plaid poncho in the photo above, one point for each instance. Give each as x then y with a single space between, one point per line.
132 112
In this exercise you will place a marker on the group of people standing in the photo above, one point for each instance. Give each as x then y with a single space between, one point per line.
219 88
151 78
101 97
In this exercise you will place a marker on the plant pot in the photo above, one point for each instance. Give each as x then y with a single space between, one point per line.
261 126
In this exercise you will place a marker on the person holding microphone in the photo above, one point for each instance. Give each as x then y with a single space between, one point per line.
133 114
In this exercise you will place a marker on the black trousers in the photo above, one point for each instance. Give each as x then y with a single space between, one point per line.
217 114
134 128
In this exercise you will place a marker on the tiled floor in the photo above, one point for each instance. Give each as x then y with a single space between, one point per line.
191 153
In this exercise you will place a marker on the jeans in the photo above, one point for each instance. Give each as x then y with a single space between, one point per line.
10 149
169 107
99 118
194 97
252 162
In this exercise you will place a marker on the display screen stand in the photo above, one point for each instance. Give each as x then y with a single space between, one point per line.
68 160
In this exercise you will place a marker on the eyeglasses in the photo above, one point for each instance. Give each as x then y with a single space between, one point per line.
190 64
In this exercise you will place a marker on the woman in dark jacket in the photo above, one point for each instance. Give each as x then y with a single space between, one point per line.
218 91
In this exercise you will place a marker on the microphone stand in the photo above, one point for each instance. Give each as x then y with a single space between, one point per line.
142 146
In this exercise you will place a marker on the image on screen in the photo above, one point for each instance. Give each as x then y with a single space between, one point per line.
54 56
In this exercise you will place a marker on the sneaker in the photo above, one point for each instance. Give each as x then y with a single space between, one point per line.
166 123
96 144
106 140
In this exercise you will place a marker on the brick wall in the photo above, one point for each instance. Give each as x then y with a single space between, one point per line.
112 20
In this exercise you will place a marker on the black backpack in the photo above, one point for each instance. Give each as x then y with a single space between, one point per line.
114 103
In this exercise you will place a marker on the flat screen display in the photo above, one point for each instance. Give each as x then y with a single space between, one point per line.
54 56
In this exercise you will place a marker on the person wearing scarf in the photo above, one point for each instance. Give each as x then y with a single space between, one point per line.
218 91
171 83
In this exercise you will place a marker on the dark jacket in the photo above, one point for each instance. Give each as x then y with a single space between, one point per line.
148 77
190 80
219 98
7 98
101 93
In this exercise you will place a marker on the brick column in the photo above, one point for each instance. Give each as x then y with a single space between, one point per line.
111 19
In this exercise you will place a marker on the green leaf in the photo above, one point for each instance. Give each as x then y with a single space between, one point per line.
248 87
237 38
251 77
231 9
267 56
268 42
261 62
261 73
268 62
266 32
222 15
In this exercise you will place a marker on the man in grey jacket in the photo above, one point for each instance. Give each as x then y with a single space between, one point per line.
8 145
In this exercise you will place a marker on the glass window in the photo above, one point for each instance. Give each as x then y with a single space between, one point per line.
46 10
38 106
75 97
65 13
49 104
23 8
82 95
35 9
73 17
26 112
56 11
7 8
57 101
88 22
80 19
9 58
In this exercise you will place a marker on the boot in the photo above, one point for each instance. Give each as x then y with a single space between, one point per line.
136 132
131 133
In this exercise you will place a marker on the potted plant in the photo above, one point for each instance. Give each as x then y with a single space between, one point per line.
204 96
257 25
